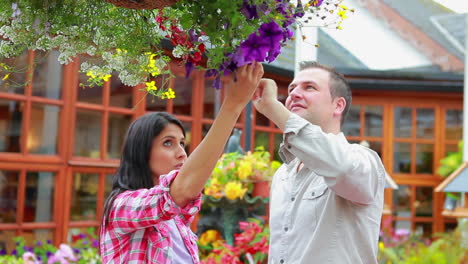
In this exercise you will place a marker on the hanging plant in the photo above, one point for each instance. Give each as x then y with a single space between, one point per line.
213 35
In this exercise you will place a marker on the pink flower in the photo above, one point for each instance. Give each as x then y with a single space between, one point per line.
30 258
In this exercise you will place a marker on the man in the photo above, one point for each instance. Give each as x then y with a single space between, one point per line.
327 198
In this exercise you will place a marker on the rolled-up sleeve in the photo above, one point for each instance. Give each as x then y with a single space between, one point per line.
142 208
354 172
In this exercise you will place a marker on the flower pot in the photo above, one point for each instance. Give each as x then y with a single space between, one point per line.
142 4
261 189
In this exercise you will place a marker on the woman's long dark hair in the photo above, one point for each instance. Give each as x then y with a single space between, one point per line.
134 171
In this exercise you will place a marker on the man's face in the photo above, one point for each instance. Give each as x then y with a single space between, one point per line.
309 97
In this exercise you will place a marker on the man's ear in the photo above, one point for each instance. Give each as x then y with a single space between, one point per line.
340 105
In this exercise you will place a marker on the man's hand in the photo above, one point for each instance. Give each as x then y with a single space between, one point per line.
266 96
265 100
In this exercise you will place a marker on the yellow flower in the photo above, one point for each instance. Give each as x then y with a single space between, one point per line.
209 236
106 77
381 246
342 14
151 86
244 169
234 190
169 94
5 77
91 74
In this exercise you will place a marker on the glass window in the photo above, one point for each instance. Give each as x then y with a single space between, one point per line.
423 229
88 134
118 125
402 157
454 124
423 203
278 141
212 100
9 183
402 201
43 132
39 197
352 124
188 135
261 120
262 139
11 118
47 78
183 100
450 148
87 93
121 95
84 196
425 123
13 74
377 147
373 120
403 122
108 185
424 158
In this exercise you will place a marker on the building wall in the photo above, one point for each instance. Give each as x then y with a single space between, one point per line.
60 143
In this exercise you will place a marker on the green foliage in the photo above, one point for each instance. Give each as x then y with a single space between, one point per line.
445 249
83 250
451 162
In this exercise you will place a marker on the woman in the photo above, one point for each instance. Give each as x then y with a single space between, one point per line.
157 189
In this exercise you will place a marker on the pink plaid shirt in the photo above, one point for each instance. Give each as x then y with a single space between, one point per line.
136 231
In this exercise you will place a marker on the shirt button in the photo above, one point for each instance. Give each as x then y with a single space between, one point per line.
285 229
313 193
282 261
289 146
292 199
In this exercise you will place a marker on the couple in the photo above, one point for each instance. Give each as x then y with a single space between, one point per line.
326 200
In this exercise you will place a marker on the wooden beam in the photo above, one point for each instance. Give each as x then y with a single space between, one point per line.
459 212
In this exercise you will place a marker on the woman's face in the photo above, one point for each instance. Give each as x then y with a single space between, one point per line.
168 151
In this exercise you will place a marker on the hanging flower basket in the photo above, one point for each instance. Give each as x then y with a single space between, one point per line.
214 36
142 4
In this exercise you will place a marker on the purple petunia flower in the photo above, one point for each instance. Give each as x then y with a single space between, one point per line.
48 254
193 37
188 68
299 10
3 252
217 82
255 48
95 243
249 11
272 54
287 34
14 252
272 33
211 73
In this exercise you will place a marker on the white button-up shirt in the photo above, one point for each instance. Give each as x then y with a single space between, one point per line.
329 211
